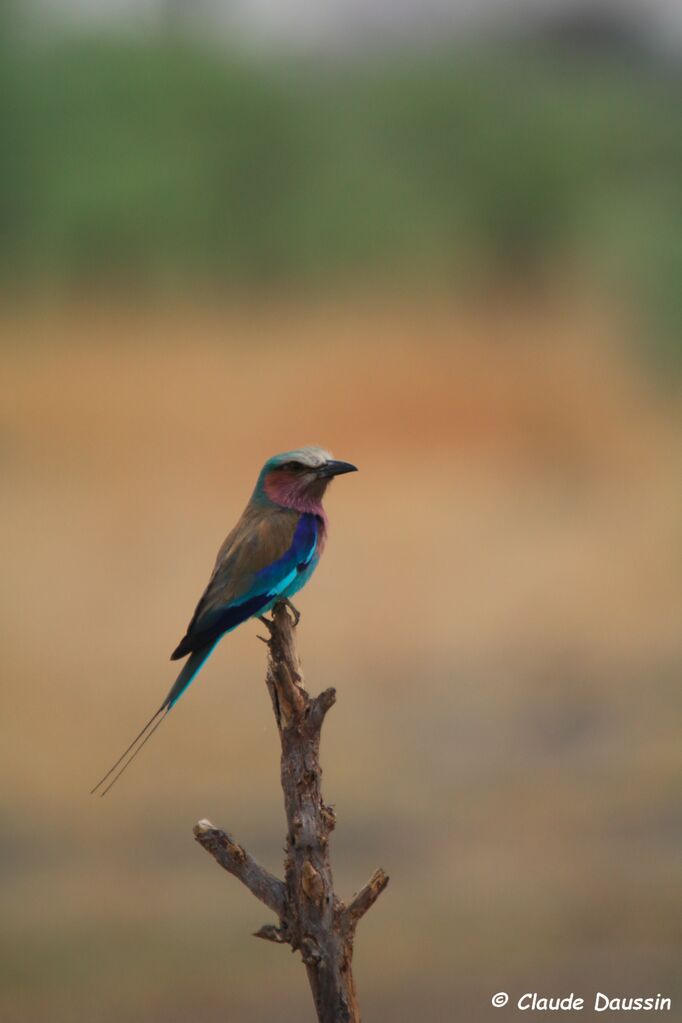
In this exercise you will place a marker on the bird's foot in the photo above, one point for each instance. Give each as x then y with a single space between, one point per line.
294 610
269 624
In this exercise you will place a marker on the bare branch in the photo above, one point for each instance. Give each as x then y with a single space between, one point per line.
311 917
237 861
269 932
319 706
365 898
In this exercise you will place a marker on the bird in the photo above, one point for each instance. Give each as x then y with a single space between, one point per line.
268 557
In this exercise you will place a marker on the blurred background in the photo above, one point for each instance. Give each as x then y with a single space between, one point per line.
443 239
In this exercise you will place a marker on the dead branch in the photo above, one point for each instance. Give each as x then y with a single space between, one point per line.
312 919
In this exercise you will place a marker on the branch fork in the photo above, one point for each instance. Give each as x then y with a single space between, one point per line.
311 917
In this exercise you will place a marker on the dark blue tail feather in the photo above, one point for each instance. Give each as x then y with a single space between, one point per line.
190 670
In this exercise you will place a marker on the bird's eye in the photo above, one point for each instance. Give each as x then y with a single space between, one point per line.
292 466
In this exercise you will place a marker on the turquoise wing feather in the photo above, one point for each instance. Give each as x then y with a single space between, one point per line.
240 588
269 555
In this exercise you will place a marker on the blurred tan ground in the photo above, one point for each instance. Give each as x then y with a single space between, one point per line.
499 607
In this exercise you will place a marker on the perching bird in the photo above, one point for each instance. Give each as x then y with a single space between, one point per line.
270 555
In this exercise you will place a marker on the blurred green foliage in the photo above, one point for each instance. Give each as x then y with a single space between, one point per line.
155 161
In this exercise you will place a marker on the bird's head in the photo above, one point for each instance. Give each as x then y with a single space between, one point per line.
298 479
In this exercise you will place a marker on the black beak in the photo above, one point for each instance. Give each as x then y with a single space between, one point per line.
334 468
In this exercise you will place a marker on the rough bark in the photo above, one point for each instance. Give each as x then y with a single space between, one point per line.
312 918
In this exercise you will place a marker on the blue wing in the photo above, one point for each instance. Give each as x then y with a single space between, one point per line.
282 577
266 586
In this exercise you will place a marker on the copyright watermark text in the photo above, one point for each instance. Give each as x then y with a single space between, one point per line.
534 1002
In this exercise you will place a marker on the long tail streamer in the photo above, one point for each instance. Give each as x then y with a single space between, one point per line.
190 670
163 709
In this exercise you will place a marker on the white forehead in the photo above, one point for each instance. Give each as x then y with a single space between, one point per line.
310 455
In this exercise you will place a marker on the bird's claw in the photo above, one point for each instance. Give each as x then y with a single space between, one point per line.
269 622
294 610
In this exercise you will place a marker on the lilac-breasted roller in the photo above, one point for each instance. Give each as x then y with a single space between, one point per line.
270 555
